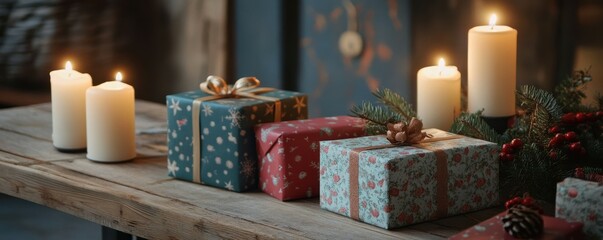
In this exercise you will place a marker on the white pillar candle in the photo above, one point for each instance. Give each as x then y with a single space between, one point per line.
438 95
110 121
68 97
492 62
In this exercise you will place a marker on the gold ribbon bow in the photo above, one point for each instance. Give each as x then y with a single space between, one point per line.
218 88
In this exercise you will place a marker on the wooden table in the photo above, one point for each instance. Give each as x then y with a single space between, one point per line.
137 197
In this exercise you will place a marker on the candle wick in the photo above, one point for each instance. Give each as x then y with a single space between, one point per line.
440 73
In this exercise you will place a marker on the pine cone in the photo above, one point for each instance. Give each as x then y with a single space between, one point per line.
396 133
400 133
523 222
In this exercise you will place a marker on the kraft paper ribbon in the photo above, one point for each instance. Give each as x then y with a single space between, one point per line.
218 88
441 175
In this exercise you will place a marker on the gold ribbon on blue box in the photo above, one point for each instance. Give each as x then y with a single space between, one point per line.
221 117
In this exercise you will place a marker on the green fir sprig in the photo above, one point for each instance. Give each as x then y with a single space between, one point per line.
472 125
392 109
569 93
541 111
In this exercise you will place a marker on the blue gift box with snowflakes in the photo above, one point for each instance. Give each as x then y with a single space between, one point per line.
222 153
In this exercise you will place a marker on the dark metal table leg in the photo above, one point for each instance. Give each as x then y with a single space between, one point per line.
112 234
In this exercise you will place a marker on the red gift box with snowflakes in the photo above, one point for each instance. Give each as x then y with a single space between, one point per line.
370 180
554 228
582 201
289 157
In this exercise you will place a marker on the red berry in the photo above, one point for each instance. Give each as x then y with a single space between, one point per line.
516 143
580 117
527 201
590 117
579 173
511 122
575 147
507 148
570 136
568 118
555 129
557 140
508 205
509 157
502 156
512 202
553 155
599 114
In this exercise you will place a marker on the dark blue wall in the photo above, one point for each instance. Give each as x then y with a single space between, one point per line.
311 61
257 34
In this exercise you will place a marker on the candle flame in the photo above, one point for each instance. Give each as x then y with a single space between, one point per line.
118 77
68 66
441 62
492 20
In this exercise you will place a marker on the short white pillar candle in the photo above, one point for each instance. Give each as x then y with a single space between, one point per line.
110 121
68 97
438 95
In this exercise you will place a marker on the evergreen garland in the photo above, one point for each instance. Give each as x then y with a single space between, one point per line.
562 136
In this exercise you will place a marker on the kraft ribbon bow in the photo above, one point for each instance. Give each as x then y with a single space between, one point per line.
218 89
215 85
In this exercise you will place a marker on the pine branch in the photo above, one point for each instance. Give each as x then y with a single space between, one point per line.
396 103
542 109
472 125
532 171
569 92
378 115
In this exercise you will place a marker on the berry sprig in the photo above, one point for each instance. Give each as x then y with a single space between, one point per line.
526 200
509 150
562 140
581 117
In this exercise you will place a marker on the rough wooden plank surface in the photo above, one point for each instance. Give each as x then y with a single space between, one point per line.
138 197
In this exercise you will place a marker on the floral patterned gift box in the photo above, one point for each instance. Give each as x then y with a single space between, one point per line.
289 154
370 180
211 139
582 201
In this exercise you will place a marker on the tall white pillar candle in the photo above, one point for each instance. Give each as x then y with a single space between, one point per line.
438 95
68 96
491 69
110 121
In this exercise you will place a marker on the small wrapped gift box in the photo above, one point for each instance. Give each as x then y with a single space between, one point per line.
554 228
582 201
211 138
370 180
289 155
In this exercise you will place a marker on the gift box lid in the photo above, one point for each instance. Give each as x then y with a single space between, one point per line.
328 128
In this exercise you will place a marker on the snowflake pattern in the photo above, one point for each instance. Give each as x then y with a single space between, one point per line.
175 106
248 168
172 167
235 117
207 110
229 186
